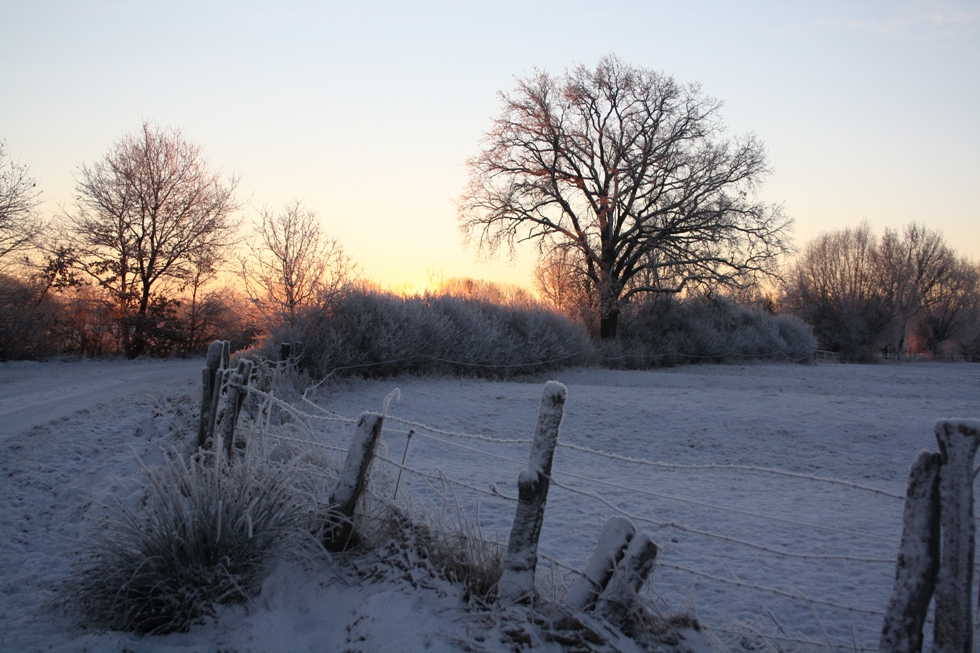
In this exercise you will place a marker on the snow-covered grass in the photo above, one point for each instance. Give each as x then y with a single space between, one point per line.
758 558
195 535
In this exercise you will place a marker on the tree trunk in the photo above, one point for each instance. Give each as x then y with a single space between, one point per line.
608 324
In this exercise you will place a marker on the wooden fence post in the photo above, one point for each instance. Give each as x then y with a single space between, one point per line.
617 601
609 550
234 398
353 479
918 559
958 443
208 374
517 580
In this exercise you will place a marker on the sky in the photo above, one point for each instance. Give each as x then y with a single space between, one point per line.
367 111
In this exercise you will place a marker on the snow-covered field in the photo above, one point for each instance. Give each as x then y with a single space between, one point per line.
745 550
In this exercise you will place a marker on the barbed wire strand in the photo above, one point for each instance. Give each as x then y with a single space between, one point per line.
717 467
734 511
725 538
790 595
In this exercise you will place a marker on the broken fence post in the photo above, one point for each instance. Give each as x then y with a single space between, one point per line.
617 601
609 550
517 580
918 559
958 443
208 374
234 398
352 481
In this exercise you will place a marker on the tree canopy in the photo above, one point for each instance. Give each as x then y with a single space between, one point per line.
147 215
630 171
19 198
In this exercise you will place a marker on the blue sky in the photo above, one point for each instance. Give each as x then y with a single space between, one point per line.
367 111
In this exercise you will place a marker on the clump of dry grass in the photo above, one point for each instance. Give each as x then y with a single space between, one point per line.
194 536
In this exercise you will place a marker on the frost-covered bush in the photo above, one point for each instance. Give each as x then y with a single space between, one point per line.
667 331
379 334
27 318
195 536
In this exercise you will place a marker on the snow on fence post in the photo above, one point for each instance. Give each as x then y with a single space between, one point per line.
353 479
618 599
209 373
517 580
609 550
918 559
234 398
958 443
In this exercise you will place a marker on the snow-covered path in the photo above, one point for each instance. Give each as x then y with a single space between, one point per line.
34 393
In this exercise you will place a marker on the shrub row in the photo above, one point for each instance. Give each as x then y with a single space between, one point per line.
376 334
379 334
665 331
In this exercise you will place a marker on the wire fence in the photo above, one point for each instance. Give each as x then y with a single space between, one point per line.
486 467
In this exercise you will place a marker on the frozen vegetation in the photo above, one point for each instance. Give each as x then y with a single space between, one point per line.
802 559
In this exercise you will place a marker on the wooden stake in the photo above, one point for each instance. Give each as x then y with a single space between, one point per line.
618 600
958 443
353 479
517 580
918 559
609 550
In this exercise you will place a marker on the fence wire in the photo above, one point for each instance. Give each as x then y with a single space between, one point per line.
462 441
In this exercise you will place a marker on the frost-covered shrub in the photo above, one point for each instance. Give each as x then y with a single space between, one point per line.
379 334
27 319
666 331
195 537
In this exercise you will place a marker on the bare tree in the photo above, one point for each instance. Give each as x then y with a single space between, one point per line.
19 199
912 264
143 215
861 293
292 264
837 286
950 317
632 171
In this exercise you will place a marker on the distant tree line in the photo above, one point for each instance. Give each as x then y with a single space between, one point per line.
149 260
653 249
903 293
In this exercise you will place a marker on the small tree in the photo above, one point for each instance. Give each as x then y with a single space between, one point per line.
142 216
629 170
292 265
19 199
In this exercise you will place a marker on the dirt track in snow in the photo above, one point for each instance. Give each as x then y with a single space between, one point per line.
32 393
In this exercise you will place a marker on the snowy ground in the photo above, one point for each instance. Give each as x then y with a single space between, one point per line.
787 556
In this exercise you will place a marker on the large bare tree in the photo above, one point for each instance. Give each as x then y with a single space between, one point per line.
19 199
143 219
633 172
293 265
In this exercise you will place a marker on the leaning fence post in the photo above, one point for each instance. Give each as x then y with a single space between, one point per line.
517 580
352 481
237 390
958 443
616 602
609 550
208 374
918 559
